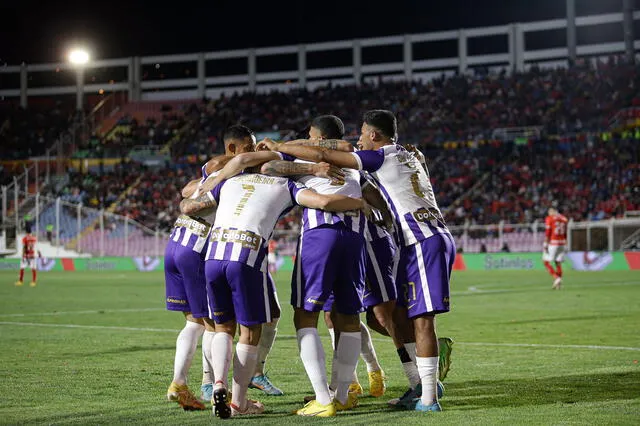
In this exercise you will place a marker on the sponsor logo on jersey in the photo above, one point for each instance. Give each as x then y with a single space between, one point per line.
426 215
246 238
197 226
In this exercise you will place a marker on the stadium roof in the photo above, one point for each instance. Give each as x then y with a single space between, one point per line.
121 28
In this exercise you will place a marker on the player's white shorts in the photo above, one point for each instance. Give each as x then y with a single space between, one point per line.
554 253
28 263
272 258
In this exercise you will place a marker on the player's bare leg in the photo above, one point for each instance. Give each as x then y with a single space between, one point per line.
186 344
427 360
221 355
244 365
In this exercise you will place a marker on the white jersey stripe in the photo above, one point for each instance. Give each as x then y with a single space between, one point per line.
328 217
199 245
235 252
311 216
299 270
423 277
186 237
267 305
176 235
376 270
219 254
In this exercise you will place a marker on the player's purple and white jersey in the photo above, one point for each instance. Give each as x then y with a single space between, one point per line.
312 218
249 206
407 189
193 231
372 232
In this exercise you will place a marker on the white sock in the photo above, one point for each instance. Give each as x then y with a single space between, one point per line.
334 361
348 354
221 348
334 372
268 336
244 364
207 363
332 333
428 368
312 355
186 345
367 351
410 368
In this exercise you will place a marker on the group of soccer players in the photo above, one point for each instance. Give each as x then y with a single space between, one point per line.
373 239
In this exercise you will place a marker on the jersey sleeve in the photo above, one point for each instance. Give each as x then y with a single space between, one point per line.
369 160
286 157
294 189
548 227
205 175
214 194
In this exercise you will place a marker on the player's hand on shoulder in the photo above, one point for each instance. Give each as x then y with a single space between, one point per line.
329 171
266 144
415 151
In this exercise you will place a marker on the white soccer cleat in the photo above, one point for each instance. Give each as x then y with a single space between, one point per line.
557 283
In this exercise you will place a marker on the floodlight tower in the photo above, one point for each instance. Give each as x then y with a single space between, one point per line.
79 58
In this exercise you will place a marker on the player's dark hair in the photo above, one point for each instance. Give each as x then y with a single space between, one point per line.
238 132
382 120
330 126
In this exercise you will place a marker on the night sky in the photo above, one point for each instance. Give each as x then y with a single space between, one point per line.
42 31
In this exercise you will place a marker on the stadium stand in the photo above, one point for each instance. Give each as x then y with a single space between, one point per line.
591 171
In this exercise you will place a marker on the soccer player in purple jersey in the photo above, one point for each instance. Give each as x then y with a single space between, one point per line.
248 208
427 250
185 286
380 293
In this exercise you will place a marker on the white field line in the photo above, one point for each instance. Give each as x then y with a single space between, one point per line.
96 311
471 290
167 330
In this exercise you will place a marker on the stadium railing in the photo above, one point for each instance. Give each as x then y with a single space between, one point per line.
606 235
87 230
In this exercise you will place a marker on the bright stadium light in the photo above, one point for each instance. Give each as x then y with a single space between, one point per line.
78 56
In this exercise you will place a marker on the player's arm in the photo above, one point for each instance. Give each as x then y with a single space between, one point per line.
237 164
191 207
332 202
547 233
190 188
338 145
216 163
314 153
290 168
372 196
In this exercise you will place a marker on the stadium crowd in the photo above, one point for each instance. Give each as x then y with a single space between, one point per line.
450 119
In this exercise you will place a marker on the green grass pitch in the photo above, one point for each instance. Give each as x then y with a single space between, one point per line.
97 348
